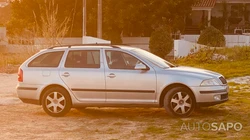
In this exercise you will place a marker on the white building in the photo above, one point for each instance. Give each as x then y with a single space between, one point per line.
226 15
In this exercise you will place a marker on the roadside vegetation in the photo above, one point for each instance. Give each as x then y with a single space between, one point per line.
231 62
9 62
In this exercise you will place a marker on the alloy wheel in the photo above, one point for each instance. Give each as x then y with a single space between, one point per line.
55 102
181 103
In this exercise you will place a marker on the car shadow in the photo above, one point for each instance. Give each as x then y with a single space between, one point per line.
137 113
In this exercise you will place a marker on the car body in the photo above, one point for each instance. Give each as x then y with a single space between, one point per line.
103 75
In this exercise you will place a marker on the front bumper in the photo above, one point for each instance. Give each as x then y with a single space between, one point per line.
205 104
210 95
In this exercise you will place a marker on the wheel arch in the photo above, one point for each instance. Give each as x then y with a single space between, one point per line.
171 86
49 87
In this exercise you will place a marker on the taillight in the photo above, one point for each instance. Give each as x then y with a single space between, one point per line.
20 75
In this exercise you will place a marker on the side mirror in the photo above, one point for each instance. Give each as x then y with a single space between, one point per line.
140 66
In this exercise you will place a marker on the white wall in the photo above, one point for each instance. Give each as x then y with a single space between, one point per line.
191 38
237 40
63 41
182 48
231 40
40 43
73 40
22 48
90 40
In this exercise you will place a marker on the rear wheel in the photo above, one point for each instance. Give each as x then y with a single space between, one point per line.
179 101
56 102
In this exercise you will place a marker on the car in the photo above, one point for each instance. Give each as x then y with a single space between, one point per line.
103 75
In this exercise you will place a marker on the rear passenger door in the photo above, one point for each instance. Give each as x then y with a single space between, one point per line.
83 73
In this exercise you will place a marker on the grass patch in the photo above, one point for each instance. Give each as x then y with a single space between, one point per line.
10 62
209 135
234 62
227 68
12 59
233 84
154 130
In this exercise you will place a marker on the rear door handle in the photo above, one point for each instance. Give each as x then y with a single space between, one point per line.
66 74
111 75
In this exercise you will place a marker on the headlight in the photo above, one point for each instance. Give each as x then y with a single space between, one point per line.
210 82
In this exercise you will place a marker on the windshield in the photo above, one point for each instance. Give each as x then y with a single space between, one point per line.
153 58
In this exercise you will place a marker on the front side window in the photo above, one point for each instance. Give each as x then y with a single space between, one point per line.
121 60
50 59
156 60
83 59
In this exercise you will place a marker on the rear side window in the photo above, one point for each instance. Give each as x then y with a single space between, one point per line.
83 59
50 59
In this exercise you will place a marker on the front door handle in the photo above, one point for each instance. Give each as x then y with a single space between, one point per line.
111 75
66 74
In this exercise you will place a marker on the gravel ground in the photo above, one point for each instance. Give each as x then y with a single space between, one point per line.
24 121
240 80
8 94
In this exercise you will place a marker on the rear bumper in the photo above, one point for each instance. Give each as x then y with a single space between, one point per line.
28 94
30 101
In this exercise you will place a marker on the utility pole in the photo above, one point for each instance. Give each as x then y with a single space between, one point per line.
84 15
99 20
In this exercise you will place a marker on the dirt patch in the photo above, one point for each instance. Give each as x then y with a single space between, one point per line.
8 94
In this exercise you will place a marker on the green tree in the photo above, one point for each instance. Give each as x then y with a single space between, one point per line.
161 42
26 14
50 28
212 37
123 17
142 17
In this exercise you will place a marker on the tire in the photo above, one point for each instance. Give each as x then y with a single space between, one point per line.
179 102
56 102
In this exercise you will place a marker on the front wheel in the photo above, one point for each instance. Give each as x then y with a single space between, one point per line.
56 102
179 101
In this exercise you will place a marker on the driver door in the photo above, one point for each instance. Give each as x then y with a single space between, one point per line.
125 84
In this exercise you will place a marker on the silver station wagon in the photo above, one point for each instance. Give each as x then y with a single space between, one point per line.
102 75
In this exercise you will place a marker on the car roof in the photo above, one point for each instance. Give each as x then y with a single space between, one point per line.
96 46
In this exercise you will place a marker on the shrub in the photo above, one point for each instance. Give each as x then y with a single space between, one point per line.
161 42
239 53
202 56
212 37
207 55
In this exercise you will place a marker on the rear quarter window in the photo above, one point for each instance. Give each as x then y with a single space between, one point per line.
50 59
83 59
